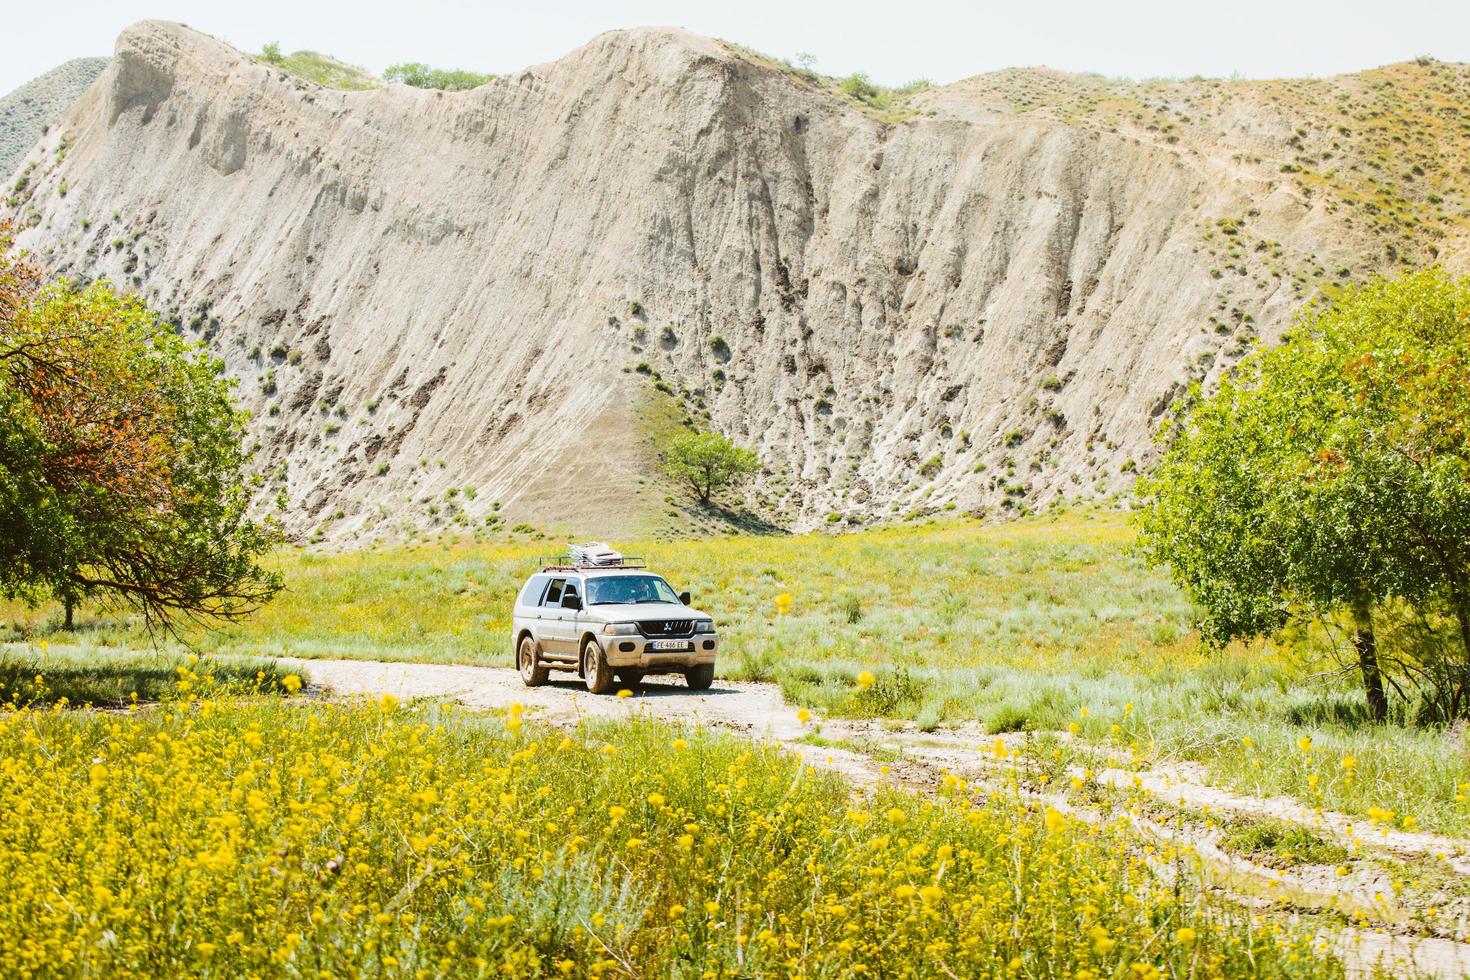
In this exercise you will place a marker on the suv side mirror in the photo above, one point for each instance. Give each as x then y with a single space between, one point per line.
684 598
571 602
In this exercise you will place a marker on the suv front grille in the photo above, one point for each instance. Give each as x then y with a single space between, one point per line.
667 627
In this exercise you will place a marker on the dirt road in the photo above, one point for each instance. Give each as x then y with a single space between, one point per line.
1407 939
756 709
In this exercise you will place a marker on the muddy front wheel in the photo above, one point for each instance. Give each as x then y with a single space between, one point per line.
595 669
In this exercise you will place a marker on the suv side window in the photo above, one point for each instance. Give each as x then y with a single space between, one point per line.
553 593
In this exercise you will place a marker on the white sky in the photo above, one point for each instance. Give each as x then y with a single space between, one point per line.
894 41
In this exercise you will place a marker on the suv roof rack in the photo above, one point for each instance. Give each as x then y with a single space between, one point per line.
568 563
594 554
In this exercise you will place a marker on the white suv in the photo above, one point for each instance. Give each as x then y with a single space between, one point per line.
613 618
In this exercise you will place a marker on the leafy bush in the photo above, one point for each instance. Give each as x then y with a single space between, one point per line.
420 75
859 86
892 692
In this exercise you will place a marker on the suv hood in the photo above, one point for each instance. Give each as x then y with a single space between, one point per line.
645 610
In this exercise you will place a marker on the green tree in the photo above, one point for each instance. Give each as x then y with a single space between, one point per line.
1331 477
708 462
272 53
123 472
420 75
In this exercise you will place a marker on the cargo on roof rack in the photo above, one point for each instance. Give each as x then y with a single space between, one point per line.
592 555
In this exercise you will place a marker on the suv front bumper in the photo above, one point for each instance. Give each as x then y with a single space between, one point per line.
637 652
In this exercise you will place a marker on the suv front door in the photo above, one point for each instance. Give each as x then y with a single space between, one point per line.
569 624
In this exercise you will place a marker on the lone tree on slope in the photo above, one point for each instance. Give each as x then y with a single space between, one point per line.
708 462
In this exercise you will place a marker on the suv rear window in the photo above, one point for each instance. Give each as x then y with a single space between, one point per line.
531 594
553 593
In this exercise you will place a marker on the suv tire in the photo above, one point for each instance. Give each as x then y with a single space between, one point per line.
533 672
595 669
700 677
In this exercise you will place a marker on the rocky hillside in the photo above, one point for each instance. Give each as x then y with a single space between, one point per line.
981 297
27 111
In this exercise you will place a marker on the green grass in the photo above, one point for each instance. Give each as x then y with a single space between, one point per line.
114 678
326 71
1030 626
1284 845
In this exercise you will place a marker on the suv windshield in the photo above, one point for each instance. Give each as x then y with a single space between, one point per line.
625 590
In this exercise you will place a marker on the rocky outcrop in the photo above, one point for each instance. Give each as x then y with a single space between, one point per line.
974 307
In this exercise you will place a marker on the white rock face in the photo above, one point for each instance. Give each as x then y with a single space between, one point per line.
967 307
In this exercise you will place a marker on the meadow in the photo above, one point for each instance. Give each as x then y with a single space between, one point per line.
1044 625
227 831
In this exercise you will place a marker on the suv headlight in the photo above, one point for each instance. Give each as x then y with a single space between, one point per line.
620 629
704 626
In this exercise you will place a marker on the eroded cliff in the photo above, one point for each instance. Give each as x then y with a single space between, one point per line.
985 304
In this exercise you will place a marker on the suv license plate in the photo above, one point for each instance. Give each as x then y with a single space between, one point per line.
678 646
